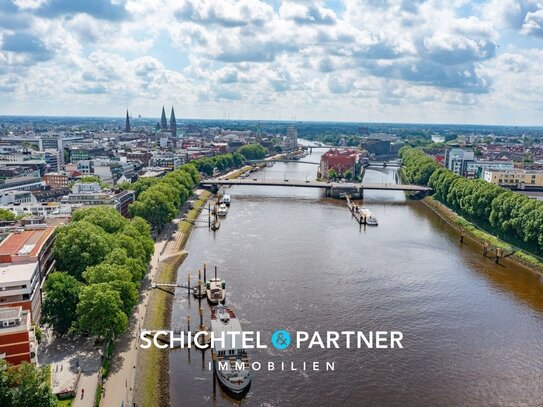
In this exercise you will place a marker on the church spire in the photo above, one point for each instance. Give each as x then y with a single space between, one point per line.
163 121
127 123
173 124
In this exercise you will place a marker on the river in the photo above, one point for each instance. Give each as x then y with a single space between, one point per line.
293 259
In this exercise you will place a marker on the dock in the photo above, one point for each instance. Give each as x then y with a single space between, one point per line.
355 211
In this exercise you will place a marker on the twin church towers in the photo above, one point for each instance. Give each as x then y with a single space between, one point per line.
162 125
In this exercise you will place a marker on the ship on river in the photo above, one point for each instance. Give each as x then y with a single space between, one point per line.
231 361
369 217
216 290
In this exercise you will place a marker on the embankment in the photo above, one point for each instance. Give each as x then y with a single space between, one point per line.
152 377
480 237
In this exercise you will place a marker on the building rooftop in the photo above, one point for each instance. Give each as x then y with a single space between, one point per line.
26 243
10 313
10 272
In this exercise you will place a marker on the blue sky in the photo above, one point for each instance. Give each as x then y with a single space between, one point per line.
430 61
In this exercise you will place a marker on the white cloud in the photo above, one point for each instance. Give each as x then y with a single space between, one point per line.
421 60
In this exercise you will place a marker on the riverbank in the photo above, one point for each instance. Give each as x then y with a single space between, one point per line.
152 377
480 237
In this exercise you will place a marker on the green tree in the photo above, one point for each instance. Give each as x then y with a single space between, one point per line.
5 391
155 207
205 165
106 217
119 278
60 301
30 387
142 184
136 266
348 175
192 170
99 311
6 215
79 245
332 174
253 151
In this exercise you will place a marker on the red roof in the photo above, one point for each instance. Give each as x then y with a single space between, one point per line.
34 239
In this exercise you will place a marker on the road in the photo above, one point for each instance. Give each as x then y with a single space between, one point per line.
259 181
88 381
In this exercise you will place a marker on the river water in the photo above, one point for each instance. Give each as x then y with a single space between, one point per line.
293 259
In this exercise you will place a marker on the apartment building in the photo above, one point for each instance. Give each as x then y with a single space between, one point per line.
17 338
520 179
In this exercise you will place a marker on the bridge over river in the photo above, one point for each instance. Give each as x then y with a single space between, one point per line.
370 164
333 189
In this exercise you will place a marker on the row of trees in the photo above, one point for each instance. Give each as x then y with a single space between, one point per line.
25 385
223 162
253 151
158 199
417 166
102 258
511 215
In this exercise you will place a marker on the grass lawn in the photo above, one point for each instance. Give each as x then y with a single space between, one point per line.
66 402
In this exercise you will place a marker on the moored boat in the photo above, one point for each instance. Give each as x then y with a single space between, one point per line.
231 361
225 199
223 210
216 290
369 218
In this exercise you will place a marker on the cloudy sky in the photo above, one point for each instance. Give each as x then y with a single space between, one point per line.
432 61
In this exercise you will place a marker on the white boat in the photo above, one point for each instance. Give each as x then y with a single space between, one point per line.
231 362
225 199
216 290
370 219
223 210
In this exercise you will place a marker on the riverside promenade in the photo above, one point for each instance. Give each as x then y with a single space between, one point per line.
120 384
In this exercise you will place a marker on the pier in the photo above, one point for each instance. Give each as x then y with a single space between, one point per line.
359 216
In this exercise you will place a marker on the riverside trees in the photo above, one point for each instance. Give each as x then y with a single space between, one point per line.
158 202
102 257
510 215
225 161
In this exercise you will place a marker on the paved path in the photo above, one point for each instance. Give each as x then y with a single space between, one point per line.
88 382
66 355
119 386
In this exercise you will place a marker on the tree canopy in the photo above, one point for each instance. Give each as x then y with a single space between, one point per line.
6 215
25 385
253 151
100 311
80 245
60 301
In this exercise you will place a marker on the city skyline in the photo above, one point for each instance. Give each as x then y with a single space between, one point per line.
430 62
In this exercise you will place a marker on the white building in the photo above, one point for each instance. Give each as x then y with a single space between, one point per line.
457 160
20 285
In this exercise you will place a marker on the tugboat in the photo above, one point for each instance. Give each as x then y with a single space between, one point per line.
223 210
231 362
216 289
